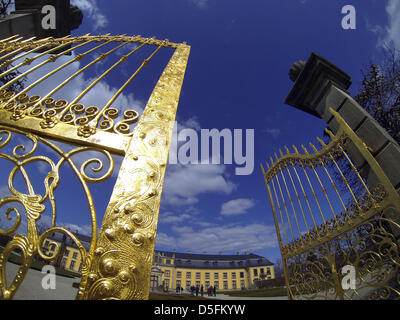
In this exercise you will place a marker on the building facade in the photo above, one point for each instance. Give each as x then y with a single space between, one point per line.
225 272
69 257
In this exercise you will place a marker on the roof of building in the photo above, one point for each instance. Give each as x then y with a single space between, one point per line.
84 239
215 261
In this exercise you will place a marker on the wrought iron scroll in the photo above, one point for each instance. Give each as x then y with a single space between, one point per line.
331 229
118 263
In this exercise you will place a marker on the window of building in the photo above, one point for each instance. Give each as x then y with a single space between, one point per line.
207 284
63 262
216 275
207 275
166 283
198 275
242 284
72 264
255 272
66 253
167 273
179 274
268 271
75 255
225 285
233 284
168 261
188 284
233 275
216 284
197 283
225 275
242 274
178 283
261 270
188 275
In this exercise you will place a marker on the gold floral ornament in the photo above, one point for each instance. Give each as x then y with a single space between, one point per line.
118 263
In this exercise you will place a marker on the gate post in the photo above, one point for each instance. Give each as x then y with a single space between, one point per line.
320 85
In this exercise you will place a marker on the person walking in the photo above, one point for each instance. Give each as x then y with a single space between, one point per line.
202 290
215 291
197 290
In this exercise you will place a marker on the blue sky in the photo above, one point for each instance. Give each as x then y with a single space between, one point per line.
237 78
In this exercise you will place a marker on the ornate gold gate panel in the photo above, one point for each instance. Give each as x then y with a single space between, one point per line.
329 222
117 265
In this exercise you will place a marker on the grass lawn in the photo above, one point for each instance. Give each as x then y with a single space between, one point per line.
269 292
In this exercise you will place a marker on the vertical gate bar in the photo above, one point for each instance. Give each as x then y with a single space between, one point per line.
102 76
284 206
350 162
101 57
280 210
50 59
278 234
290 199
321 184
311 187
44 77
115 96
295 191
305 196
121 265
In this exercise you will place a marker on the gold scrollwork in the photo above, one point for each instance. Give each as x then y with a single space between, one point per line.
34 204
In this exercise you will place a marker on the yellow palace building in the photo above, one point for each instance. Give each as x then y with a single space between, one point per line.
225 272
69 257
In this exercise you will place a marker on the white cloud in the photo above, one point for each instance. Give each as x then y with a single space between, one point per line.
170 217
91 9
185 183
202 4
274 132
236 207
192 123
390 34
228 239
393 29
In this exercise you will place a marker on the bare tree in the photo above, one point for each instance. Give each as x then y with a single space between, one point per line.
4 6
379 94
19 84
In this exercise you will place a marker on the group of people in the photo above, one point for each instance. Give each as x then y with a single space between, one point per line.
211 291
